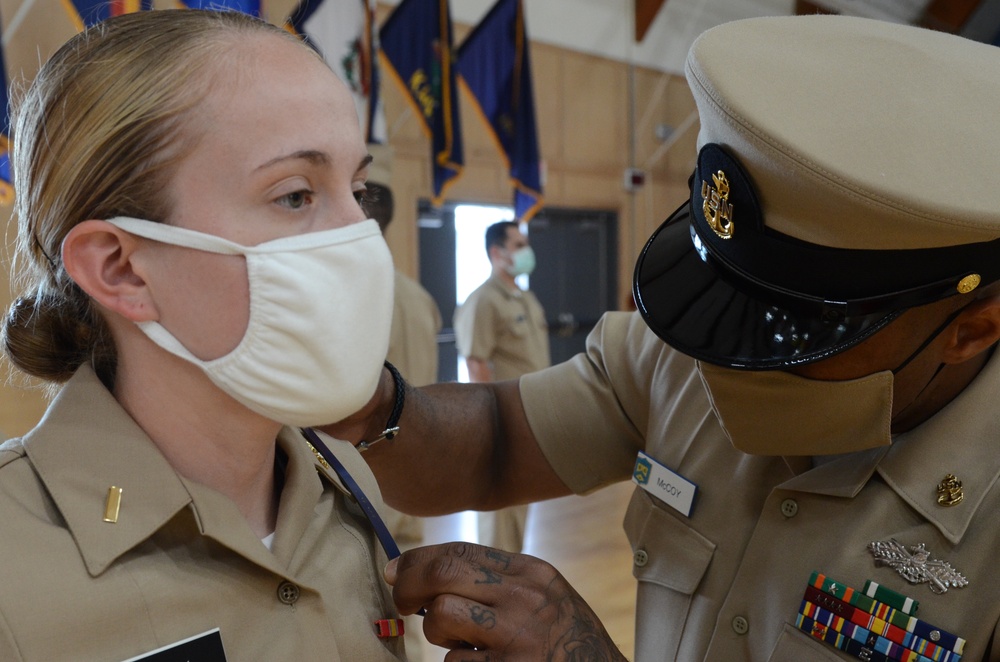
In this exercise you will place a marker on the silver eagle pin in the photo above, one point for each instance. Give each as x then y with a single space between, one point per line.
916 565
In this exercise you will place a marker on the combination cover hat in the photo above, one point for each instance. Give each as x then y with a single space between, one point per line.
847 170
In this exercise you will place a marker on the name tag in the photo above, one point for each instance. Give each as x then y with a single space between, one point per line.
668 486
204 647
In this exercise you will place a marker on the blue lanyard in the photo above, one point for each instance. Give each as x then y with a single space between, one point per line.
381 530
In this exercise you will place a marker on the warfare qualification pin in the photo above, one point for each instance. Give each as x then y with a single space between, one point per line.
916 565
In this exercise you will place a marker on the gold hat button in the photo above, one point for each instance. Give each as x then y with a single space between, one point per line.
968 283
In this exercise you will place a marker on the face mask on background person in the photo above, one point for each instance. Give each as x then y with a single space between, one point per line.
778 413
522 262
318 331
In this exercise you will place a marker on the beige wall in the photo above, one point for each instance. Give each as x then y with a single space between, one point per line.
582 108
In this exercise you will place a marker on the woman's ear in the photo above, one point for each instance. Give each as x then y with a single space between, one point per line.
98 256
976 330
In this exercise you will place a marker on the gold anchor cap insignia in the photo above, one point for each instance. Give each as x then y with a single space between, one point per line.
949 491
716 207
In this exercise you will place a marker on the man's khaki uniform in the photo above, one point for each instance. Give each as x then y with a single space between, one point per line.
726 583
180 560
507 329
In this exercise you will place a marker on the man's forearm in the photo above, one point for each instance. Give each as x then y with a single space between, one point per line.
460 447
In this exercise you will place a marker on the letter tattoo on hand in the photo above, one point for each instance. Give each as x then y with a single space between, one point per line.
499 557
483 617
490 576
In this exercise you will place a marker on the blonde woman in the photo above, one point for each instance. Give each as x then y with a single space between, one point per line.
200 283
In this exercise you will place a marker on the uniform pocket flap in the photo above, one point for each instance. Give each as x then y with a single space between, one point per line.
794 646
666 551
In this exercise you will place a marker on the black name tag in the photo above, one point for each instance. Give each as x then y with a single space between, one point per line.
205 647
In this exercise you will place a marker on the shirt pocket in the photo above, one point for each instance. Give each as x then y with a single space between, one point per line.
669 561
794 646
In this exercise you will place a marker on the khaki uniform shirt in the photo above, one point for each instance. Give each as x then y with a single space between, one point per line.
416 322
504 327
181 559
726 583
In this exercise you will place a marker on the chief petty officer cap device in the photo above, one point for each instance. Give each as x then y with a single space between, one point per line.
848 169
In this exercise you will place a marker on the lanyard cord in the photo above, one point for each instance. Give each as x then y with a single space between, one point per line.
381 530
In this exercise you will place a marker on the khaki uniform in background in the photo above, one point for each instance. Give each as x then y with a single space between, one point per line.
181 559
416 321
726 583
507 329
413 349
504 327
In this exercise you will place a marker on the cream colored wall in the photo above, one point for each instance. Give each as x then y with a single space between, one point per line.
582 112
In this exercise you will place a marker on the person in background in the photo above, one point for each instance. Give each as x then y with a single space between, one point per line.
413 350
501 332
416 319
806 397
199 284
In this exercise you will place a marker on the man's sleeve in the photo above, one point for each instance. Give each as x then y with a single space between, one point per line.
476 328
590 413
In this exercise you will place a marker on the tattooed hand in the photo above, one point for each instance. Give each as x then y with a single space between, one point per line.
493 606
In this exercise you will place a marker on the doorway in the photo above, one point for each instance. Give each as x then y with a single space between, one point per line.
575 280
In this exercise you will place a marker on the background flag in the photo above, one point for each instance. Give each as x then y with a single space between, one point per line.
251 7
85 13
6 176
343 31
495 68
417 48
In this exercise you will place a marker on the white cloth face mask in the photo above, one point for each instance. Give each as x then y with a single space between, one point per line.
318 330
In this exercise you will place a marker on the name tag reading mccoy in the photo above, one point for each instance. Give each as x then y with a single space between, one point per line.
668 486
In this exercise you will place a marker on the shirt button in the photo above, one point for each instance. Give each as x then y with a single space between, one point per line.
641 557
789 507
288 593
741 625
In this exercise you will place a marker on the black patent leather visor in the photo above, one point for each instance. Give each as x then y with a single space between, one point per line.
717 283
685 299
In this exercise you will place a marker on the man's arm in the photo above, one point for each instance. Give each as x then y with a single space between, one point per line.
460 447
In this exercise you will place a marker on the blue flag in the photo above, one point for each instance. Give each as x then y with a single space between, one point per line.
85 13
417 52
496 70
343 32
6 175
251 7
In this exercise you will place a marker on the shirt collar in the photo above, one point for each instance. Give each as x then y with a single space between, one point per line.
501 285
87 443
958 440
954 441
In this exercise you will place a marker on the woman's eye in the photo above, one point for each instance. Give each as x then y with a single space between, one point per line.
296 199
365 197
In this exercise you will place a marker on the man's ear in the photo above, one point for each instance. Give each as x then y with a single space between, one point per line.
977 329
98 256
